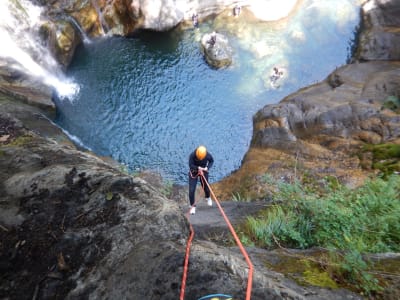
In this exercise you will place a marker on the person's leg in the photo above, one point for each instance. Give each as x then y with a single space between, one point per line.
192 189
207 190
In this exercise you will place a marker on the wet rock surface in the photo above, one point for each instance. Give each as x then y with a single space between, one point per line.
25 88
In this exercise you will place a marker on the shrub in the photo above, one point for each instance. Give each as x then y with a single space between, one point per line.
365 220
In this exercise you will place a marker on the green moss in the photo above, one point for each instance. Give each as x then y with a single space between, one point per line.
392 103
167 188
320 278
332 182
304 271
385 157
21 140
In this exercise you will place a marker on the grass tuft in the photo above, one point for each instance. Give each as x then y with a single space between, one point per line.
353 222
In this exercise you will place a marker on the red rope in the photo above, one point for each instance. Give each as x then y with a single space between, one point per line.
185 265
237 240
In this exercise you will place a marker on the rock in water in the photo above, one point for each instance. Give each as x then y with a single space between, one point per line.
216 49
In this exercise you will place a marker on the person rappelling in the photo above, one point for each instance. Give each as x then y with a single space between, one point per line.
200 160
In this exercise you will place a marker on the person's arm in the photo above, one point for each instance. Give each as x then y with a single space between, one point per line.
210 160
192 165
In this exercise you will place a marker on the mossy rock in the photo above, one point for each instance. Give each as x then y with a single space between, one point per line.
21 140
305 271
392 103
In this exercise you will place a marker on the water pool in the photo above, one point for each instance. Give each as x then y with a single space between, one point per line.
149 101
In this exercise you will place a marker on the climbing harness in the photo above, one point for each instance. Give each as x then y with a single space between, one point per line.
237 240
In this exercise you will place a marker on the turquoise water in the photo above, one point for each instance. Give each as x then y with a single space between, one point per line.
149 101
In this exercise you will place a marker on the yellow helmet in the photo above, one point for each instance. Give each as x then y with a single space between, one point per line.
201 152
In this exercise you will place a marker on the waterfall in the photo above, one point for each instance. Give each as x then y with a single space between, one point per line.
78 27
19 22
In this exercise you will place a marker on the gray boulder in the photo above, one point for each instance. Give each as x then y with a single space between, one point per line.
216 49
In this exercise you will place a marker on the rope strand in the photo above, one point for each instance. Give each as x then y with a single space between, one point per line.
232 230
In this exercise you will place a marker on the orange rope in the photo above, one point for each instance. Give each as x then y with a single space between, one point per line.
237 240
185 265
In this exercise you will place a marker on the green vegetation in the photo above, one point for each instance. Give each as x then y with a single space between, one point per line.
385 157
392 103
167 188
21 140
349 223
109 196
237 197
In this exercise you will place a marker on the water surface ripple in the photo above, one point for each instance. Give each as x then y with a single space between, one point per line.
149 101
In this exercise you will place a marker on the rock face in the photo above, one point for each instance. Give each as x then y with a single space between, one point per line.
26 88
62 38
216 49
380 36
64 211
347 105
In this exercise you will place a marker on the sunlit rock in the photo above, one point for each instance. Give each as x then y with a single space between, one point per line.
88 18
62 40
217 51
271 10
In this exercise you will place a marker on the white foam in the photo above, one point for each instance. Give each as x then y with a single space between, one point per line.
19 42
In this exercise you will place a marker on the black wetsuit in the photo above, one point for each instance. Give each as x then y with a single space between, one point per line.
194 163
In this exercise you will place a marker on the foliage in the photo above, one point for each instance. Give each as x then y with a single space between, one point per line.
365 220
385 157
237 197
392 103
167 188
